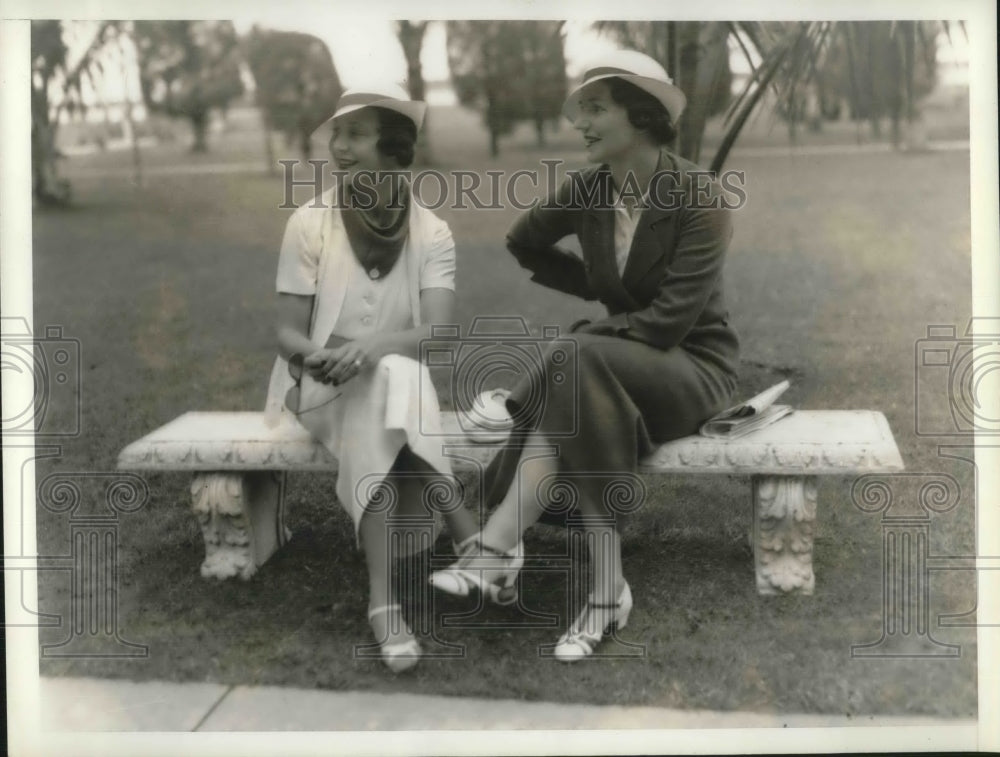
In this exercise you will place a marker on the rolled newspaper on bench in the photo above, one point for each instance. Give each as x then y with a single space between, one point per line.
747 417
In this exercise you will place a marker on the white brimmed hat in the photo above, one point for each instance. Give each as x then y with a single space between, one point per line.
636 68
383 95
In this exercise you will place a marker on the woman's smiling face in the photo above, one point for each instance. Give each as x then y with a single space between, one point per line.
604 125
354 144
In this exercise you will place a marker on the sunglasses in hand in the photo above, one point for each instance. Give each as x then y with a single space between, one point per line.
293 398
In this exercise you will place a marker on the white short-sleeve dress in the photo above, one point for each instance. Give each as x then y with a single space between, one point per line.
365 422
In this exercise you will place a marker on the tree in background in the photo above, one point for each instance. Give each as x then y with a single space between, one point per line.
50 69
786 60
484 63
898 68
882 68
297 84
48 60
411 39
545 72
187 69
508 70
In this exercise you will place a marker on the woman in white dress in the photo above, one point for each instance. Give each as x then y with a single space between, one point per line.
363 274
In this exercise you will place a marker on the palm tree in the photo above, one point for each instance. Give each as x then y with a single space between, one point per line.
50 70
785 60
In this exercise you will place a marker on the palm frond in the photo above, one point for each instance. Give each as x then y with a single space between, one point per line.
88 61
763 78
736 31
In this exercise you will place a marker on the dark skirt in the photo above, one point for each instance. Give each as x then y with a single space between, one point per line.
604 408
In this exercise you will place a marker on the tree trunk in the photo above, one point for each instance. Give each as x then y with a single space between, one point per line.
48 188
411 38
672 62
136 154
305 143
199 123
702 60
915 136
268 132
494 142
897 136
540 131
133 133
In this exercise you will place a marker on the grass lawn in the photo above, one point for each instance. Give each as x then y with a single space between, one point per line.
839 264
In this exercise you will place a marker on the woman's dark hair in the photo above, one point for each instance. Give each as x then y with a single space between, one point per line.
397 136
644 111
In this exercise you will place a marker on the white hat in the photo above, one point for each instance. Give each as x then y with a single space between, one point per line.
383 95
636 68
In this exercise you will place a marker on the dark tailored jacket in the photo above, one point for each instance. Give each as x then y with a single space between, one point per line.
671 291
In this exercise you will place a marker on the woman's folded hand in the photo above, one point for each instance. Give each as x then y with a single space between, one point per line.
321 362
343 363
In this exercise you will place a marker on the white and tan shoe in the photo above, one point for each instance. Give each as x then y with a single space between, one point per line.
460 578
581 639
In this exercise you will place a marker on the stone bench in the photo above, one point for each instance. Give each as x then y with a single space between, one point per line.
240 466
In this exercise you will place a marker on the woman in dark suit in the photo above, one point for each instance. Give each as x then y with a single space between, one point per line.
653 238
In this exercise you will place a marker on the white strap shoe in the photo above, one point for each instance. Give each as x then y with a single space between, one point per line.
460 578
401 655
581 639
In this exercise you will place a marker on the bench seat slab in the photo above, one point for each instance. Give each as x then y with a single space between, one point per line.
807 442
239 460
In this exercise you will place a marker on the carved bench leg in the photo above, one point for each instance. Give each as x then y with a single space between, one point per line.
242 517
784 519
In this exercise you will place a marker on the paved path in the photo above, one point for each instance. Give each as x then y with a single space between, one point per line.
92 704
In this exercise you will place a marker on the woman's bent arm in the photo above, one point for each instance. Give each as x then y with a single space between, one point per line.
294 312
532 242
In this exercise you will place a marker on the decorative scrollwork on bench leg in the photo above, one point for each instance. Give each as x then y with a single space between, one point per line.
784 522
242 520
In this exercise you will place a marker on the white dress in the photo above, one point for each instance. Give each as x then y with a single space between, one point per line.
365 422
